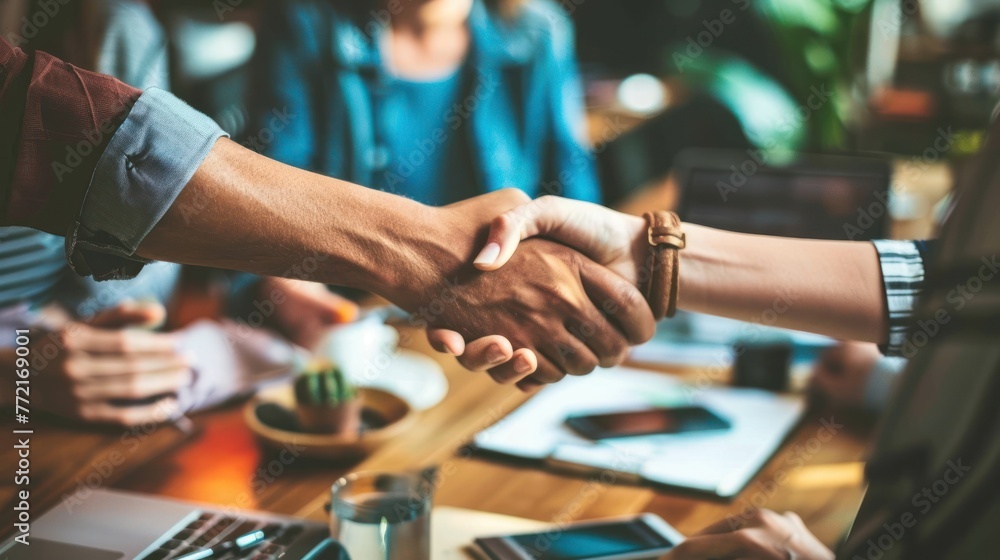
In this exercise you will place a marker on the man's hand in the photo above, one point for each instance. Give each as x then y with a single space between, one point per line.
571 313
766 535
611 239
85 367
307 309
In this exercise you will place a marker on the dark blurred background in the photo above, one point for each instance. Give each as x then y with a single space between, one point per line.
665 75
913 82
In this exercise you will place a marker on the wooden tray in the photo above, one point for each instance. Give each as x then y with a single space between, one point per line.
396 416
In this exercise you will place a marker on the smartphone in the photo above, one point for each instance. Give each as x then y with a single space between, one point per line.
630 538
674 420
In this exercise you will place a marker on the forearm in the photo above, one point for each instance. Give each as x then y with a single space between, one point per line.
827 287
245 212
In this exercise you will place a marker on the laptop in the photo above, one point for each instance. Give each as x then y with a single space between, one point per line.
113 525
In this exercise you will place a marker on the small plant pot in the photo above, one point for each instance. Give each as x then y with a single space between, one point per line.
343 419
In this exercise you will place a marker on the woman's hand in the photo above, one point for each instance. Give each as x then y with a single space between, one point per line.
765 535
611 239
87 369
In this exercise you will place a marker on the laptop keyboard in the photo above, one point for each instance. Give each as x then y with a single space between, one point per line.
211 529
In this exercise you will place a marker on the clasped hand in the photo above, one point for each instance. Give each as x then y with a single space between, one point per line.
570 310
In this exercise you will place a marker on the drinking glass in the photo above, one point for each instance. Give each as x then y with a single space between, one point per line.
383 516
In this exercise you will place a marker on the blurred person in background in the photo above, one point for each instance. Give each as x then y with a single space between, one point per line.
437 100
856 375
103 362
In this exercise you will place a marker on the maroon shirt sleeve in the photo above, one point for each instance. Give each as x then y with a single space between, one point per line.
55 121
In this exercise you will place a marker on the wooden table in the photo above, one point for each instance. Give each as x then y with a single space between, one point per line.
222 464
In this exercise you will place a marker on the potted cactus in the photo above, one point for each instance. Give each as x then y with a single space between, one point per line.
326 401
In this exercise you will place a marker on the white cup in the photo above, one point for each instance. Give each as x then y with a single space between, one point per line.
363 349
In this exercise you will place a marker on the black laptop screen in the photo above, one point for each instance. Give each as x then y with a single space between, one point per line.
792 202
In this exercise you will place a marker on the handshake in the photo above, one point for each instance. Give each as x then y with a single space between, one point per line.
551 291
529 290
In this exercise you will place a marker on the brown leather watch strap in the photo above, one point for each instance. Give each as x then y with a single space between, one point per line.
666 240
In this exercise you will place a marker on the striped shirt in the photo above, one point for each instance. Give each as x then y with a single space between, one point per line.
940 430
31 264
903 279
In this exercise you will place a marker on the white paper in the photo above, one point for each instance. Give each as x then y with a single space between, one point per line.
719 462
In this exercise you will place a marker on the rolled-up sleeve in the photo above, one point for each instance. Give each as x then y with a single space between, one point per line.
86 156
903 278
55 121
147 163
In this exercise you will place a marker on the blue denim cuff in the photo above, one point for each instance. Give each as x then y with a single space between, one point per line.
150 159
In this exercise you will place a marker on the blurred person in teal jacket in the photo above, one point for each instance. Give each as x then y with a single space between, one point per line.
438 100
